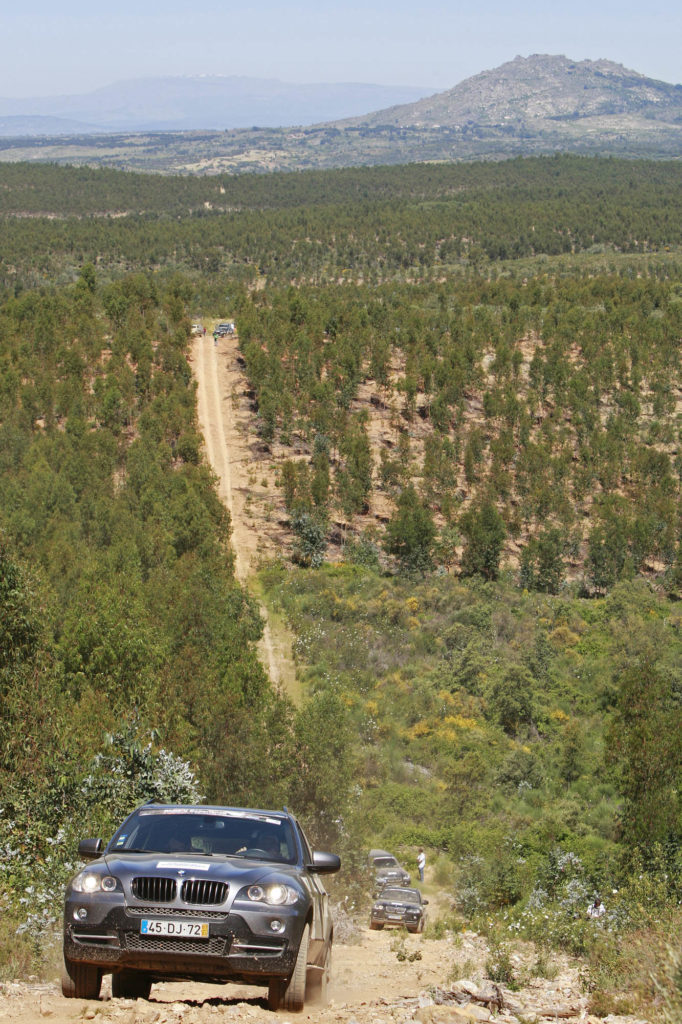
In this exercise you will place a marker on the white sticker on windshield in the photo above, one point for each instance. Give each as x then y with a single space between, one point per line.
211 812
184 865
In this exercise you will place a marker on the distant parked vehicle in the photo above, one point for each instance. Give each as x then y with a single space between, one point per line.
396 907
197 329
387 870
224 328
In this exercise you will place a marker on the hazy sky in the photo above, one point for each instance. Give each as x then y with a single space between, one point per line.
77 45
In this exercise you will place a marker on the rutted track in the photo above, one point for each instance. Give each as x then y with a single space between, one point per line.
220 382
381 978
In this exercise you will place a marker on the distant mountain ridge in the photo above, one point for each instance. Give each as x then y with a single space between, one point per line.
531 90
528 106
200 102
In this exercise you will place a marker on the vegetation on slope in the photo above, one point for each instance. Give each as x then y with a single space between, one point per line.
124 633
531 743
420 222
553 398
474 374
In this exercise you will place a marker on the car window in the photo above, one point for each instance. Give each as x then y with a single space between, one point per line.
401 895
208 833
392 894
307 853
385 862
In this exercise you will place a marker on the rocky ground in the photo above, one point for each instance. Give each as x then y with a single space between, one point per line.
379 977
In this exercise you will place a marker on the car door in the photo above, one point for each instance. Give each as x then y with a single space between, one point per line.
322 920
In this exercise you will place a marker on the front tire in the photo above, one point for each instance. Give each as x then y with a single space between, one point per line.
80 981
290 995
375 926
130 985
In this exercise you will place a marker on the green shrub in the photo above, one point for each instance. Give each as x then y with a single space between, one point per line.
18 954
499 966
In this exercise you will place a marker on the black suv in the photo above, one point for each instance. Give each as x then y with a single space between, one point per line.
398 906
219 894
386 870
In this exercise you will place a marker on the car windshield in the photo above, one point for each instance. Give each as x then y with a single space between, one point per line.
385 862
401 895
206 832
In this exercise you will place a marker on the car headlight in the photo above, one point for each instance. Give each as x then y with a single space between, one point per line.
275 895
90 881
378 906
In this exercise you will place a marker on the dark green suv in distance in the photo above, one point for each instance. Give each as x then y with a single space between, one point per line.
395 906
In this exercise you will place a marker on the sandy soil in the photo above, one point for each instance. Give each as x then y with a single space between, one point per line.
367 974
378 977
246 481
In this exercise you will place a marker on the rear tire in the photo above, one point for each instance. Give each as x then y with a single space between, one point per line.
319 980
80 981
130 985
275 990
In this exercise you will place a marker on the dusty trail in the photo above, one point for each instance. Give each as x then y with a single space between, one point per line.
371 985
220 386
379 978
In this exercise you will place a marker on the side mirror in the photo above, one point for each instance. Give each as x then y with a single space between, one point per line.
425 902
88 849
325 863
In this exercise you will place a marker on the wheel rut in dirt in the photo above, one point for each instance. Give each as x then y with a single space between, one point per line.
229 434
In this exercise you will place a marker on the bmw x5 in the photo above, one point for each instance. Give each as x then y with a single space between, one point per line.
218 894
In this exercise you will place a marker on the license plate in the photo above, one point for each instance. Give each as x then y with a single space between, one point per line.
178 929
395 917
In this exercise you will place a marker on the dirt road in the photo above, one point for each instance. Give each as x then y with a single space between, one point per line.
379 977
227 423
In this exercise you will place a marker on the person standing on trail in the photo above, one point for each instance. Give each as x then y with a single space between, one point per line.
215 338
421 863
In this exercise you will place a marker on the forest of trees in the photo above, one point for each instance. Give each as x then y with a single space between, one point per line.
554 400
495 664
123 631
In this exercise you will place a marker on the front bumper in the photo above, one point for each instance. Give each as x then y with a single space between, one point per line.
242 945
395 920
384 881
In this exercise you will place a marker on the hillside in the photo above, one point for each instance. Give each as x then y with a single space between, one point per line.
539 104
538 93
457 392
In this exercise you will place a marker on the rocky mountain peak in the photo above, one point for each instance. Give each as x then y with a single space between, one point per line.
540 87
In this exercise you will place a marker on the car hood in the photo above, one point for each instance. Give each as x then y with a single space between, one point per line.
236 871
